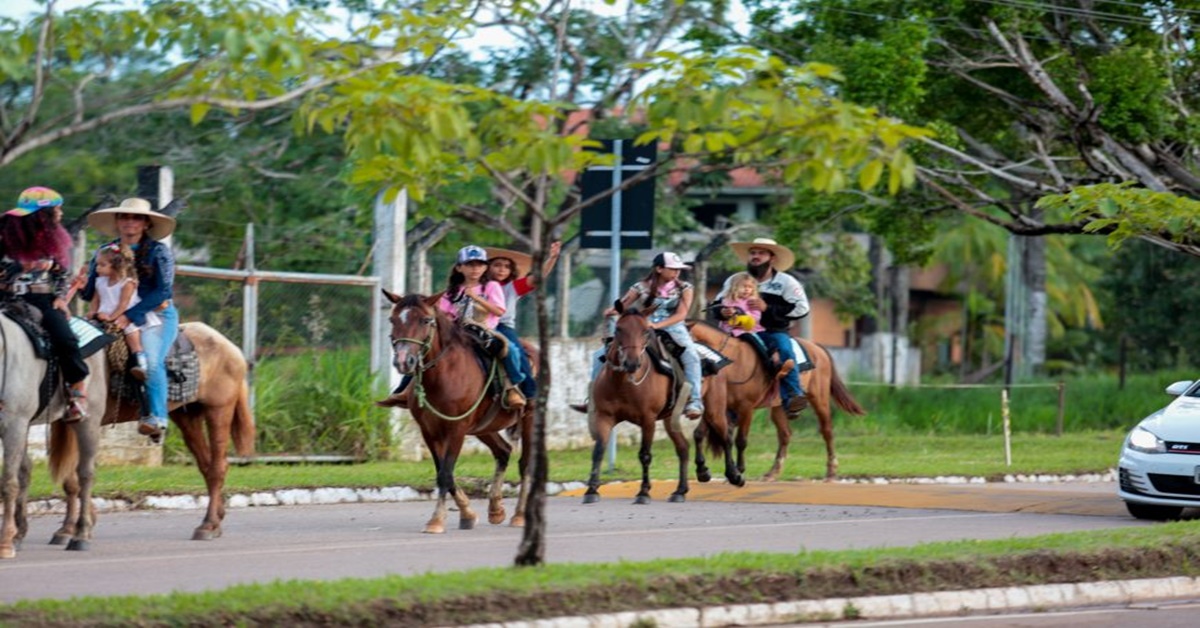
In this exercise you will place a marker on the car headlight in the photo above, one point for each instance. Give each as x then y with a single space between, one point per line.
1143 440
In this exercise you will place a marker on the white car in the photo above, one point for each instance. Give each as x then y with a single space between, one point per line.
1159 470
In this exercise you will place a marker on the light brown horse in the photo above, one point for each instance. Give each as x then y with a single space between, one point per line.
451 399
629 388
750 386
220 412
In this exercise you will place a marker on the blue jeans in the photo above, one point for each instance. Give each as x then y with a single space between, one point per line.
516 353
690 358
780 341
157 342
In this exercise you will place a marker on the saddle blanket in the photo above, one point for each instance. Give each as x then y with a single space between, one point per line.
803 362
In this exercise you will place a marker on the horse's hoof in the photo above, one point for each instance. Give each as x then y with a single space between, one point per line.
497 518
466 524
518 521
8 552
737 480
204 534
60 539
434 528
703 476
642 499
591 498
78 545
676 498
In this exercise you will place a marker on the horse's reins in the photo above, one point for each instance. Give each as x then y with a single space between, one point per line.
426 345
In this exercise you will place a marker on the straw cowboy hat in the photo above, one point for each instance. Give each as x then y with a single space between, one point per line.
105 220
784 257
522 261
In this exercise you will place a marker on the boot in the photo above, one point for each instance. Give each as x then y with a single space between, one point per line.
395 400
76 407
578 407
795 405
513 398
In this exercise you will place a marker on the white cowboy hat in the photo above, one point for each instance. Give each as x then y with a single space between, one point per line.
105 220
522 261
784 257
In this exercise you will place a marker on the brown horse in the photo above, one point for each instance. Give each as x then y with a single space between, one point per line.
750 387
450 392
221 408
629 388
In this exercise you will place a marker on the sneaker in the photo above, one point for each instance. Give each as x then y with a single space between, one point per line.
694 410
139 371
795 405
513 398
77 409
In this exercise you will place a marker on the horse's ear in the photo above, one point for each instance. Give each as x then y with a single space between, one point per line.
618 307
391 296
432 300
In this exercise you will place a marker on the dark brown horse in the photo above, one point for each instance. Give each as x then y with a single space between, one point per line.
451 399
750 386
629 388
220 412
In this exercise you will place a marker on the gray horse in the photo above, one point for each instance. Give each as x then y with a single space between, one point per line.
21 374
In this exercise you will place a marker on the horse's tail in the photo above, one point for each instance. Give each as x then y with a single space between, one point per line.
837 389
64 451
243 423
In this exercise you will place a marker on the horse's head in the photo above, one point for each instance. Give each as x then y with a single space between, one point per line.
629 342
414 334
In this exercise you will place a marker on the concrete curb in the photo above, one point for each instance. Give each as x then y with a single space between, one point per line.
884 607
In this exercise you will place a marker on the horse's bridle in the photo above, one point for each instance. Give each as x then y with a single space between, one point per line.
641 354
425 344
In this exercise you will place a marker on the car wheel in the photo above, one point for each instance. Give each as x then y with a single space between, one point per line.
1152 512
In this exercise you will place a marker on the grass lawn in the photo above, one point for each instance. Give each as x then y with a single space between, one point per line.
860 456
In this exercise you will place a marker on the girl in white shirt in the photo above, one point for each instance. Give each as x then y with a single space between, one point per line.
116 291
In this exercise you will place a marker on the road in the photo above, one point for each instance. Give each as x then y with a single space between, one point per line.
147 552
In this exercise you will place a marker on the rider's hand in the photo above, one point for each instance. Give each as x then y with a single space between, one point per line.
757 303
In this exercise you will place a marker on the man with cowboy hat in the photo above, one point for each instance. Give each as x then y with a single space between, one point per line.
782 300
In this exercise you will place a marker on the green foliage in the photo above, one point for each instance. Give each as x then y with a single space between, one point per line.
319 402
1130 89
1123 212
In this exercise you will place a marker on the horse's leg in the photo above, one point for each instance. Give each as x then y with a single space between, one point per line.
603 432
703 474
437 522
24 476
15 434
63 449
783 435
732 474
219 421
824 411
645 456
526 459
87 438
501 452
191 428
681 452
745 416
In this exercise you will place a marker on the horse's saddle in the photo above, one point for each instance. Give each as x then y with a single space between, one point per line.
29 319
803 362
492 343
711 360
183 371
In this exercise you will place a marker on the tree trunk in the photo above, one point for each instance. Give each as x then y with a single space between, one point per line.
1034 270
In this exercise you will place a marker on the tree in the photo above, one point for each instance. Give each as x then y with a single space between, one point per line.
1031 100
706 110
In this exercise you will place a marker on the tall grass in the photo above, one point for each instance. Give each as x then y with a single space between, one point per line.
1091 402
320 402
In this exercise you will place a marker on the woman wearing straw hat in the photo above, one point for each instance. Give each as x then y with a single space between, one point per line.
782 300
134 224
36 267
